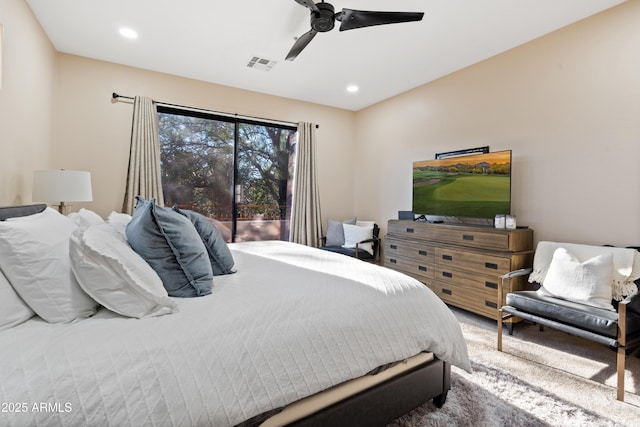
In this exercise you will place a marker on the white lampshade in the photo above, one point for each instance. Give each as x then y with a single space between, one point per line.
62 186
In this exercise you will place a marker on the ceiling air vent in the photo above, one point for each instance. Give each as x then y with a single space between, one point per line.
261 64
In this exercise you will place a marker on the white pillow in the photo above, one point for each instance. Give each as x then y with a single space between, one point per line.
119 221
115 275
13 310
355 234
34 255
365 223
587 282
85 218
335 231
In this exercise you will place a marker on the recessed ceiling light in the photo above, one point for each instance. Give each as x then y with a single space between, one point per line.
128 33
352 88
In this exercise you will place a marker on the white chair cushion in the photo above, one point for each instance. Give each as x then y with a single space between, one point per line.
587 282
355 234
335 231
626 264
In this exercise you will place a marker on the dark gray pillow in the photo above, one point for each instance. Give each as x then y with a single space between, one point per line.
171 245
219 254
335 231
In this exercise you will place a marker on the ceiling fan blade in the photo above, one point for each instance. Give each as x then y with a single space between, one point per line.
300 44
352 19
308 4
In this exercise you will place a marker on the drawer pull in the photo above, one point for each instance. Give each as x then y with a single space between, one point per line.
409 230
491 265
467 237
422 268
491 285
394 246
447 257
491 304
423 253
447 274
446 291
393 261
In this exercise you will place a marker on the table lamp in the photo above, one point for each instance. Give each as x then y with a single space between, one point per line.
62 186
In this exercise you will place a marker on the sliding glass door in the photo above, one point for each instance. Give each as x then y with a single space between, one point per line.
237 173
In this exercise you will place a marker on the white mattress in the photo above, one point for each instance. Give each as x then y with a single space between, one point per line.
291 322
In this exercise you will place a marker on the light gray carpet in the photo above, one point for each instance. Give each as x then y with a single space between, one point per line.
540 379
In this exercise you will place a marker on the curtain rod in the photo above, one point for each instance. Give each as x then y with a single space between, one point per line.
115 95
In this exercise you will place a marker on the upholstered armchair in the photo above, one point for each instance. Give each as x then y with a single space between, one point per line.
587 291
357 239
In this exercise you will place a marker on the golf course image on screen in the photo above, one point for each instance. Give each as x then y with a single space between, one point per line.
477 186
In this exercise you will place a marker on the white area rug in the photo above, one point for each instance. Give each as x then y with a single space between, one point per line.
540 379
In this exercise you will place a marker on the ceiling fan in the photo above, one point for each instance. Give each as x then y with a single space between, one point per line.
323 19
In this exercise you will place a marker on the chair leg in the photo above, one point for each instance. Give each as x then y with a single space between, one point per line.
501 319
499 330
621 362
622 346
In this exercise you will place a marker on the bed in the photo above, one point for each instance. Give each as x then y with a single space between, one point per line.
294 336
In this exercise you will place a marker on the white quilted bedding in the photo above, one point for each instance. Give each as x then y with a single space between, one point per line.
291 322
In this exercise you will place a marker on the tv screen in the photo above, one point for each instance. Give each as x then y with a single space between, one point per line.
474 186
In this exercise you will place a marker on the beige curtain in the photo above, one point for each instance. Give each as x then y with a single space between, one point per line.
306 226
143 177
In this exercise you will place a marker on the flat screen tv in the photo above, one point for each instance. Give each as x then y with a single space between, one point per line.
472 186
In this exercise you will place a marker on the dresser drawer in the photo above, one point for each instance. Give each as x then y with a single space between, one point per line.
421 270
411 229
480 263
495 240
476 302
484 283
399 249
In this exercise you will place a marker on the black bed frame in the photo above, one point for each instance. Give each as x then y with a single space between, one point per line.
389 400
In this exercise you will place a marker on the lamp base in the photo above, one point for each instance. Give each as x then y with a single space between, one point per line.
62 208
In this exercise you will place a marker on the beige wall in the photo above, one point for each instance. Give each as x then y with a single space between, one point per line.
93 132
567 104
26 102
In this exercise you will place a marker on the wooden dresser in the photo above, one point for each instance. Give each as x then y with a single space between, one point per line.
460 263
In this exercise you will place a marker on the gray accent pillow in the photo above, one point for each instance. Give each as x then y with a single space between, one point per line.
335 231
219 254
171 245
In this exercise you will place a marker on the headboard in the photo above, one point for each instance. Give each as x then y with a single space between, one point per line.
16 211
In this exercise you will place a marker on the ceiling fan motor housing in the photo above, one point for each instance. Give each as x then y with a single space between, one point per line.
324 20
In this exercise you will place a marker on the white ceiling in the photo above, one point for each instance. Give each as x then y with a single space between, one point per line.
213 40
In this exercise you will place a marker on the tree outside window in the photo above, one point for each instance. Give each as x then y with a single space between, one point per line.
237 173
